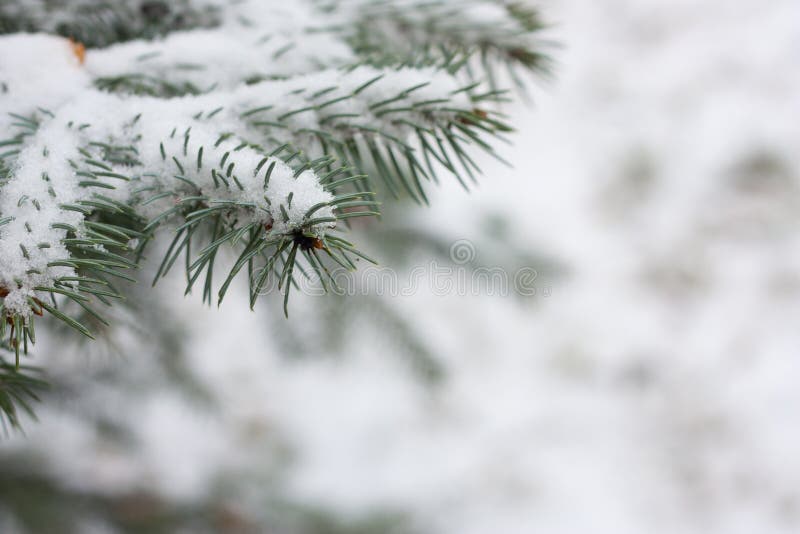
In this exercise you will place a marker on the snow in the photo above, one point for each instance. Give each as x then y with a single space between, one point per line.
653 390
43 83
226 57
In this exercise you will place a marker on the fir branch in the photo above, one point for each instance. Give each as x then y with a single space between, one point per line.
101 23
258 135
20 386
416 32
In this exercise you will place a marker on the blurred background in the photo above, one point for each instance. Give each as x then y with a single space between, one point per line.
649 383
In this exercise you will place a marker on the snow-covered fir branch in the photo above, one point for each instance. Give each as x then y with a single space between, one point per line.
254 125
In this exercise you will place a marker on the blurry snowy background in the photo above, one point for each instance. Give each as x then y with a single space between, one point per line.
651 385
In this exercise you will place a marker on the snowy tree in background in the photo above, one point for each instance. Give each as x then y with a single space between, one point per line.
261 128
